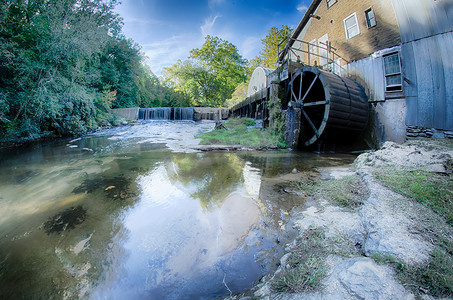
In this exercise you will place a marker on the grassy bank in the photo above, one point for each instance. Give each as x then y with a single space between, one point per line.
348 191
435 190
434 277
239 131
431 189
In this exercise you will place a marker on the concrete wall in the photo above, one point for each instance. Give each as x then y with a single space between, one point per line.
390 121
127 113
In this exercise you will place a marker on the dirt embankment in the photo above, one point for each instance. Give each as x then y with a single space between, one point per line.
360 238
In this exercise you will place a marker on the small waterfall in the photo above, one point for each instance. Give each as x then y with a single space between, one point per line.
155 113
166 113
183 113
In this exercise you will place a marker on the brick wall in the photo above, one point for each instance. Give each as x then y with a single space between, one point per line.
384 35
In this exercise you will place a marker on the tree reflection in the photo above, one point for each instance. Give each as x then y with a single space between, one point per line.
215 175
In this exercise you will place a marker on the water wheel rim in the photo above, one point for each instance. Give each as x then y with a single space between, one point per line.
300 96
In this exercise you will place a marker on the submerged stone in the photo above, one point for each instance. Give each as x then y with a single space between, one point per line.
65 220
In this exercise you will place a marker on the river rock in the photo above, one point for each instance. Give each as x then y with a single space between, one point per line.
387 225
357 278
362 278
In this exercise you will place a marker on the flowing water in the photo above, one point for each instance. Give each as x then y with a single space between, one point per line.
136 212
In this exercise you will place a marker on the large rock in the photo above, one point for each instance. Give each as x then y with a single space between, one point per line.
388 228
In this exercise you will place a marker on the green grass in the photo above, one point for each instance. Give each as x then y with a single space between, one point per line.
306 268
434 277
432 189
306 265
237 133
348 191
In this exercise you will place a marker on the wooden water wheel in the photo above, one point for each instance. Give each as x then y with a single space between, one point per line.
330 106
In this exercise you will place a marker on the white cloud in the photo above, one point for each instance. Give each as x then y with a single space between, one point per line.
250 47
302 8
166 52
207 27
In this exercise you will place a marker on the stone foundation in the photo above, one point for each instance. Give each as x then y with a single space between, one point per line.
415 131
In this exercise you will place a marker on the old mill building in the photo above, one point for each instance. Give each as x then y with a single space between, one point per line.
399 52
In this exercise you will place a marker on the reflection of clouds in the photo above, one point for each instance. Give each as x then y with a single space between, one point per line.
252 180
156 188
172 238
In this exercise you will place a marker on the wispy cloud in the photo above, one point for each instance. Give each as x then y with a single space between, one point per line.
165 53
250 47
213 3
302 8
207 27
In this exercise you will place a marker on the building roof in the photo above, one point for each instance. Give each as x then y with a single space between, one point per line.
310 10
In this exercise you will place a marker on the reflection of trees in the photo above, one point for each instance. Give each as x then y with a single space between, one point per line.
215 175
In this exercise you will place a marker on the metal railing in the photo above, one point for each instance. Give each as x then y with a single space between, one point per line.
306 53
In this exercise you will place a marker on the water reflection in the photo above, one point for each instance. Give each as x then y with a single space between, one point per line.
194 211
116 215
214 176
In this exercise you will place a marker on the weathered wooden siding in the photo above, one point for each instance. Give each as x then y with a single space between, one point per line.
369 73
426 29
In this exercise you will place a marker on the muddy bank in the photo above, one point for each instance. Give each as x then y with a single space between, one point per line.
382 247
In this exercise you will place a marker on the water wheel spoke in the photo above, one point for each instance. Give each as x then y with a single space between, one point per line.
315 103
293 95
311 123
300 85
311 85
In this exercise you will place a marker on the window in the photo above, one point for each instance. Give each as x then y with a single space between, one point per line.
392 72
331 2
351 26
370 19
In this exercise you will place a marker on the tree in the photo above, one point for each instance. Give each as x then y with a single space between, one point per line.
211 73
239 94
64 64
269 54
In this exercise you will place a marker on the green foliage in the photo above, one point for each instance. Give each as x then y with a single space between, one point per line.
432 189
239 94
269 54
64 64
348 191
211 74
215 176
305 267
237 133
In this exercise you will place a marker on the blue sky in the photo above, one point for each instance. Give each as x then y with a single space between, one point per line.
168 29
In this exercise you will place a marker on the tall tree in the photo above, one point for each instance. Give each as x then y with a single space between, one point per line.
210 75
64 64
269 54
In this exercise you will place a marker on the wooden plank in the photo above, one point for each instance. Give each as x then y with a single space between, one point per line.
446 55
411 87
439 100
441 15
425 83
403 20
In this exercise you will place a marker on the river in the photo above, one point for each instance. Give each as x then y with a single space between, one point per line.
137 212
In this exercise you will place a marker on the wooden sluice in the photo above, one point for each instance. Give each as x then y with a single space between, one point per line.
254 106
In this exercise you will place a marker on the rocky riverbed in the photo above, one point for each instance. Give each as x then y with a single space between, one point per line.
381 248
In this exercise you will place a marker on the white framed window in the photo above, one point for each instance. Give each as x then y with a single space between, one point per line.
331 2
370 18
351 26
392 72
